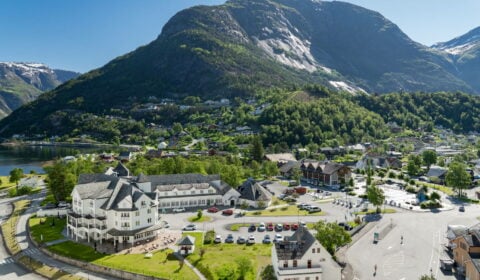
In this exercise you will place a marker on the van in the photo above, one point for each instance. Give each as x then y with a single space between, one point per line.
314 209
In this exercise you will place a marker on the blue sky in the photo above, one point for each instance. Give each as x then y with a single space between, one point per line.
85 34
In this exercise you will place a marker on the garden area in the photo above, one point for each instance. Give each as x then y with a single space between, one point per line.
46 229
290 210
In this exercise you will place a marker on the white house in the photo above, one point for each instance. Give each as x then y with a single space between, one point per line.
107 208
188 190
254 195
301 256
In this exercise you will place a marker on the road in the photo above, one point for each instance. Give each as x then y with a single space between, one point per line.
423 236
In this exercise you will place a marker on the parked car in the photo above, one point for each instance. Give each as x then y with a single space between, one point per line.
227 212
286 226
461 208
241 240
190 227
314 209
302 224
218 239
261 227
278 238
278 227
270 227
229 239
251 239
213 209
63 204
252 227
282 196
294 227
178 210
266 239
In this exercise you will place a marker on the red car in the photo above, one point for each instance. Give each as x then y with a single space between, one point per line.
286 226
212 209
270 227
294 226
227 212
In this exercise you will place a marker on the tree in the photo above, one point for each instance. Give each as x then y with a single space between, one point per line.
458 177
376 196
429 157
427 277
199 214
231 175
15 175
244 267
177 127
268 273
256 149
331 236
261 204
296 174
61 180
226 272
270 168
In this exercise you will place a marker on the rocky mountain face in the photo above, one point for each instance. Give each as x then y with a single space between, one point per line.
21 83
465 54
245 45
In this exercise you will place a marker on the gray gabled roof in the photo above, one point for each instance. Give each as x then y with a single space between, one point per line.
251 190
187 240
122 170
172 179
436 171
295 246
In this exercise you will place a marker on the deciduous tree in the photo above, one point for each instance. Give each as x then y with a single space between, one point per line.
376 196
331 236
457 177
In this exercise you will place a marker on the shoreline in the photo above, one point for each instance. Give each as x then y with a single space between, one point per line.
68 145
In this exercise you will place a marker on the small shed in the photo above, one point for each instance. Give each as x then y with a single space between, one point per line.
186 245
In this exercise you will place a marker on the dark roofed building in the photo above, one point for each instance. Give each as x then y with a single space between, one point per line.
254 195
325 172
302 256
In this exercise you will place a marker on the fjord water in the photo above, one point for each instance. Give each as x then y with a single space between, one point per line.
33 157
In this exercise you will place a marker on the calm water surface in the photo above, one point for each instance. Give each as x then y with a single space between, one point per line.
32 158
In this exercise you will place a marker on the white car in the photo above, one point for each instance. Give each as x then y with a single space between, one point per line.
190 227
261 227
218 239
251 239
178 210
278 238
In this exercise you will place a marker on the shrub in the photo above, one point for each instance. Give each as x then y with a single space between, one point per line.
411 182
209 237
435 196
391 174
363 196
411 189
430 204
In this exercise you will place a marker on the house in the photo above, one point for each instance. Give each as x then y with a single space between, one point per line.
125 156
188 190
254 195
301 256
325 172
330 153
107 208
465 246
280 158
186 245
437 174
162 145
107 157
287 169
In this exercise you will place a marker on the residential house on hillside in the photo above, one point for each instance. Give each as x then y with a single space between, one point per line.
188 190
254 195
465 245
301 256
280 158
325 172
287 169
125 156
120 171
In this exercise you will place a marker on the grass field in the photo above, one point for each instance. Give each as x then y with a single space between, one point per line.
290 210
219 256
373 211
162 264
47 230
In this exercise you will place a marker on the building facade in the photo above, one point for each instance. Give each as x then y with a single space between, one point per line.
325 172
302 257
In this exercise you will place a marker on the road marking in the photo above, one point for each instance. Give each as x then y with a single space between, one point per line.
389 247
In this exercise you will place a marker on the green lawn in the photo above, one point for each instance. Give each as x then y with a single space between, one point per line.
162 264
217 256
444 189
195 219
50 232
291 210
236 227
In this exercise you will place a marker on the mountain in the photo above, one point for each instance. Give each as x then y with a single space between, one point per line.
242 46
21 83
465 53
